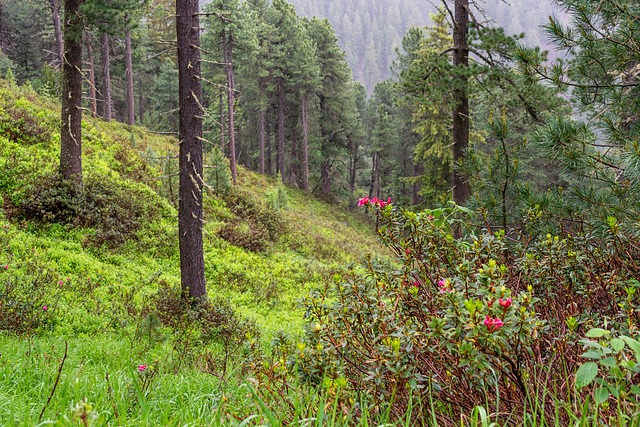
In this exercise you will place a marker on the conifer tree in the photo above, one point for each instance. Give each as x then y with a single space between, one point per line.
190 156
71 129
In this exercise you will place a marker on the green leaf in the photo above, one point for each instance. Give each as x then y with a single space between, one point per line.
633 344
614 390
601 395
610 361
586 373
591 354
596 333
635 389
617 344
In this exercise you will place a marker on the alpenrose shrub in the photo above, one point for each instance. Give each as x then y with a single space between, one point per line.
457 323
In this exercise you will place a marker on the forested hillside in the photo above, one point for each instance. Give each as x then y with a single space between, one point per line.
193 202
370 30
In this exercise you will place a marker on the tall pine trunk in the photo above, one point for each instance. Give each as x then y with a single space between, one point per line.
269 154
281 101
92 76
228 64
129 75
190 156
222 121
261 130
71 127
55 15
106 77
460 133
305 141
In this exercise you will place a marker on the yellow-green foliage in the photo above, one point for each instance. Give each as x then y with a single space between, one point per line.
306 240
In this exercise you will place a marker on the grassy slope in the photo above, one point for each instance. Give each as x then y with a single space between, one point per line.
100 286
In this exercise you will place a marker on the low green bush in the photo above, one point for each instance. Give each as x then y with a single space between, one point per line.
461 323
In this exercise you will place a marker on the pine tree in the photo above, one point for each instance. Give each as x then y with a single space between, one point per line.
601 154
71 129
190 157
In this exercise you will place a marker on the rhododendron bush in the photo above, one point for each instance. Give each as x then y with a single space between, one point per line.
458 323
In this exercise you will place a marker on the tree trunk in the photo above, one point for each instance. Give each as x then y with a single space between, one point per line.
71 128
228 61
294 161
305 142
417 171
261 132
92 76
55 13
2 30
269 155
461 187
106 77
222 121
353 168
129 75
190 156
281 101
140 108
325 177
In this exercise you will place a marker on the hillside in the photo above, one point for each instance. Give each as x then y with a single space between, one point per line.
370 30
266 245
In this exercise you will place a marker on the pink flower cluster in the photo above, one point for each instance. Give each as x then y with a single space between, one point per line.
374 201
142 368
492 324
505 303
443 286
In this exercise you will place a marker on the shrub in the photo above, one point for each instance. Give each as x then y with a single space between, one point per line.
197 326
28 292
257 227
455 324
116 212
20 122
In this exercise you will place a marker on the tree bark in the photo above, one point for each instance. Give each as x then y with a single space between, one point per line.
71 127
129 76
55 14
106 77
281 101
222 122
228 61
353 168
269 154
92 76
261 132
460 133
325 176
305 142
190 155
2 30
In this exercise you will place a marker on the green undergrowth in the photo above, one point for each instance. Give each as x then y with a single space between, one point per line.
265 245
100 270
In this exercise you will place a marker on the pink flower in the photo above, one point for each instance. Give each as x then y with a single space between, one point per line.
443 286
6 267
505 303
493 324
430 218
45 308
363 201
415 283
407 250
142 368
60 282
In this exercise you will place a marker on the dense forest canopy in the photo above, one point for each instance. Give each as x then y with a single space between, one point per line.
369 31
